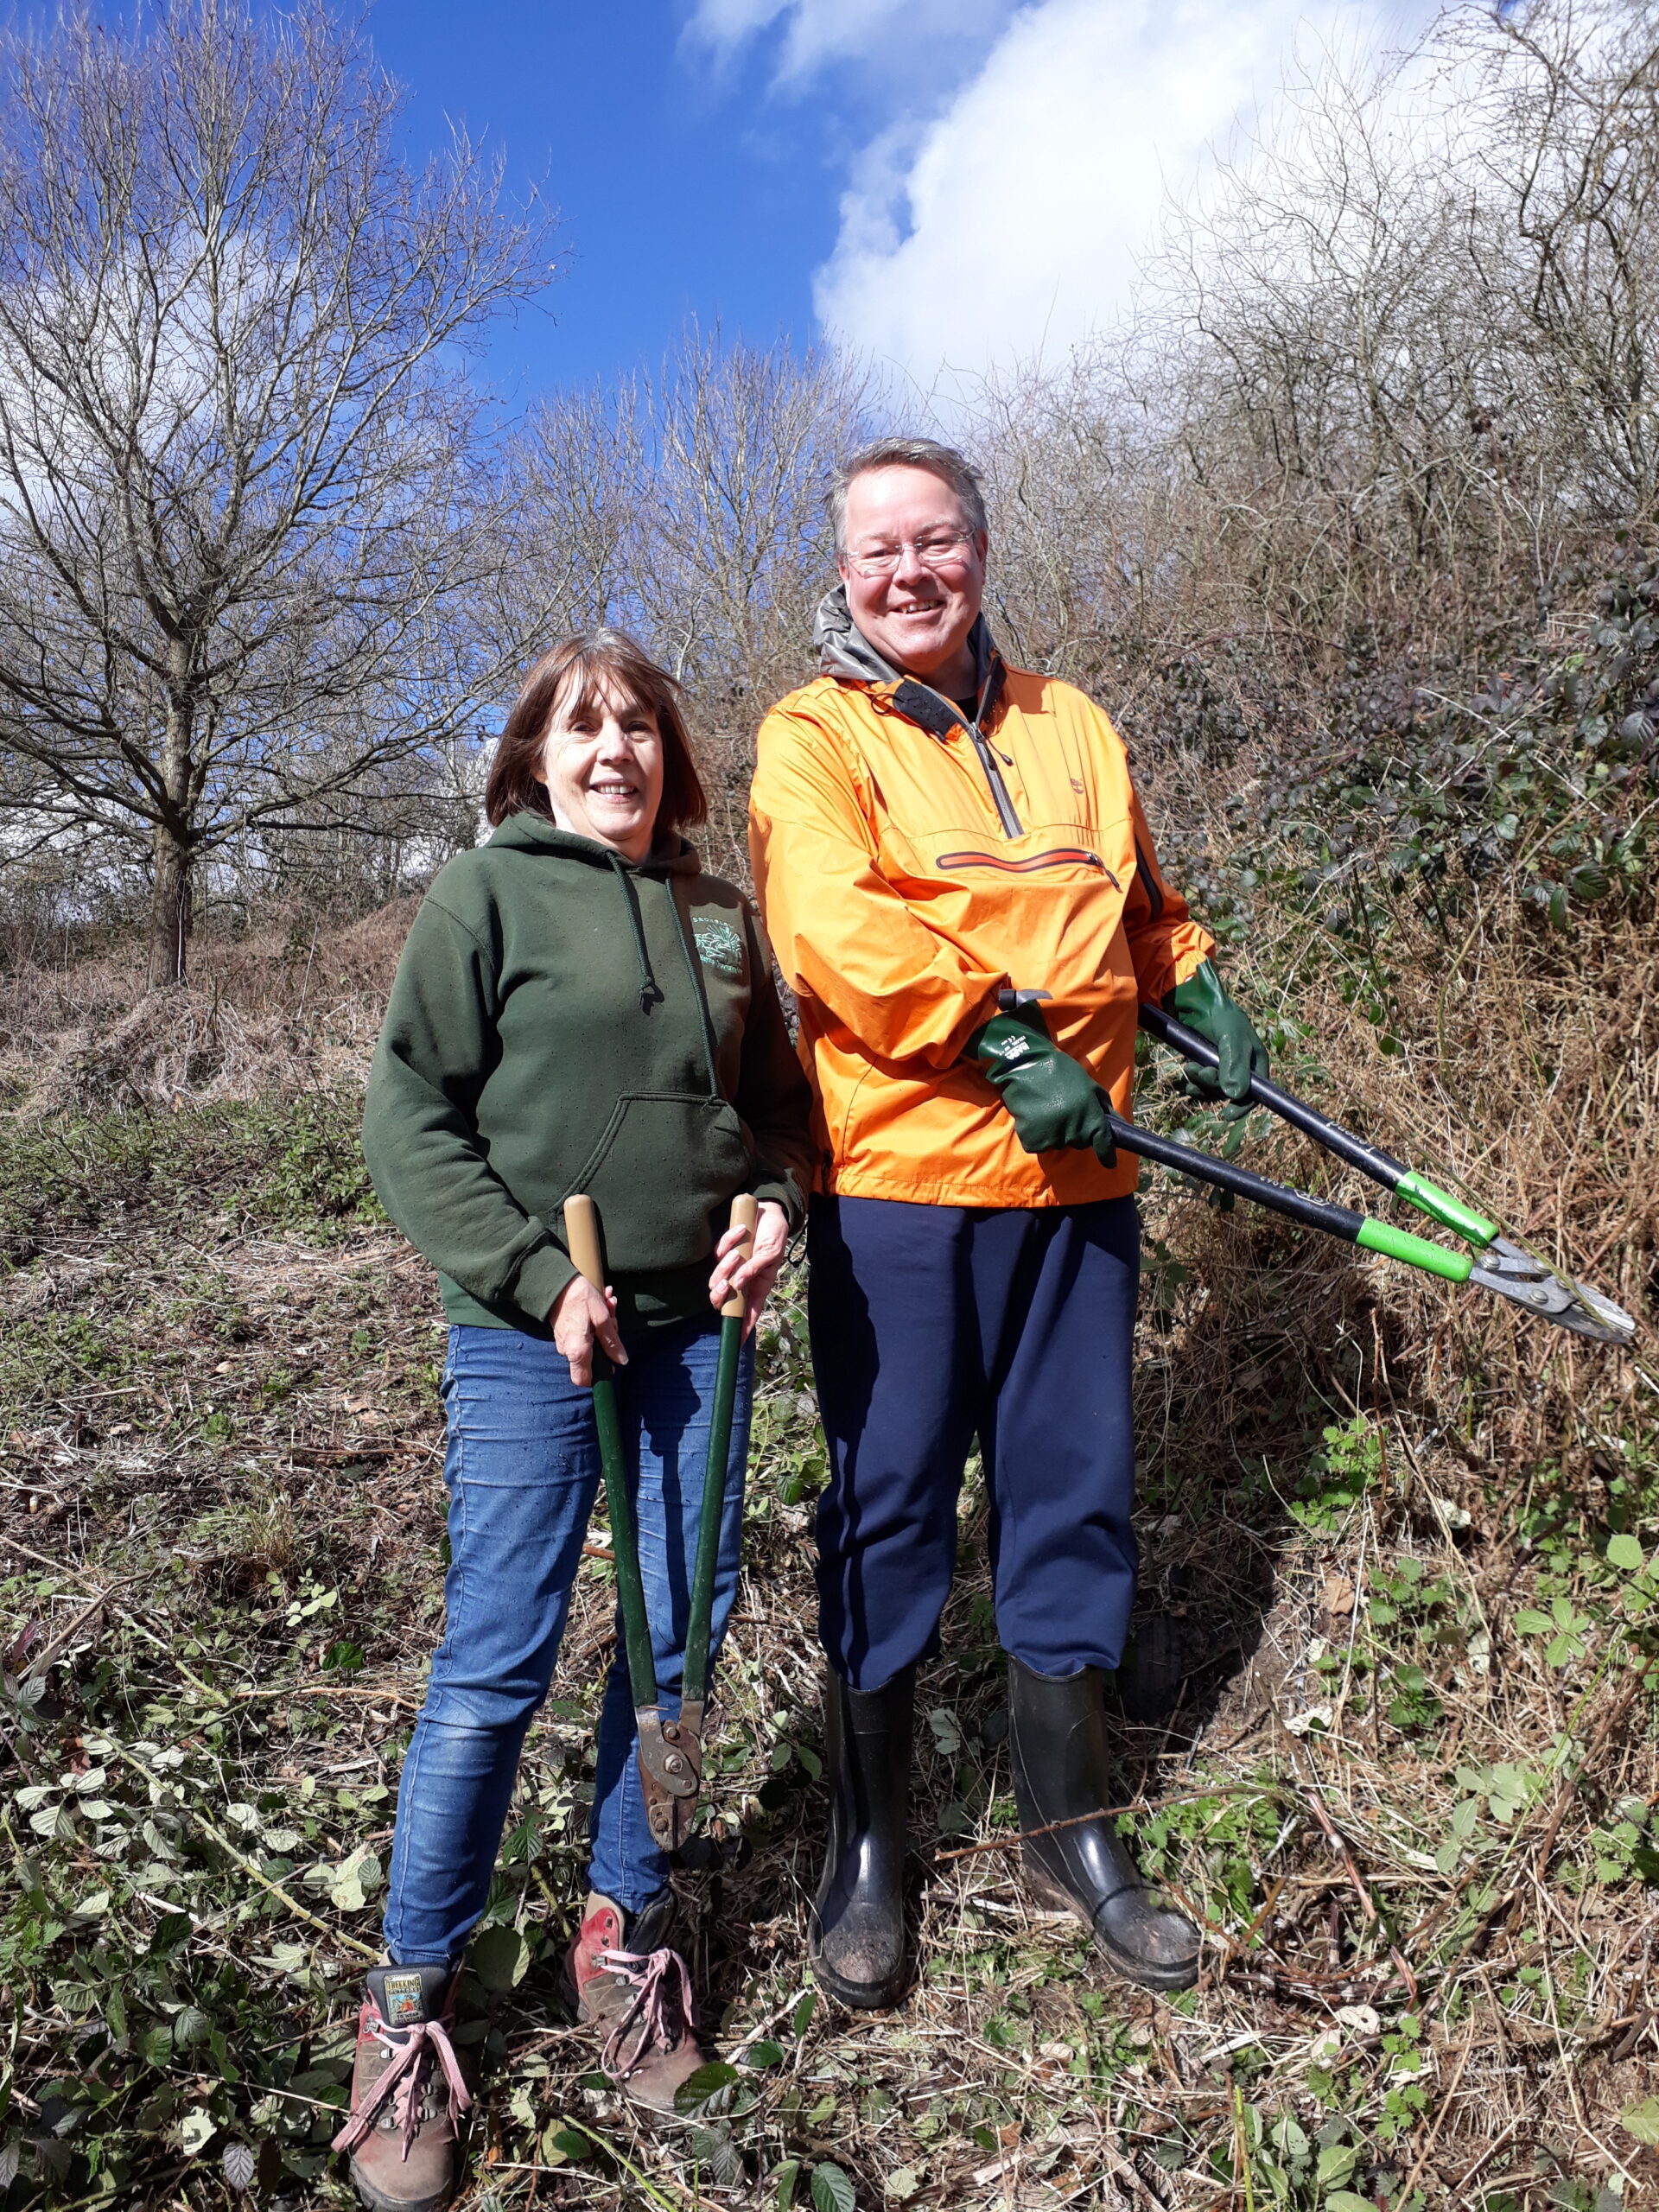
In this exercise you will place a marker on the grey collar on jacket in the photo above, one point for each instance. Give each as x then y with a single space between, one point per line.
844 650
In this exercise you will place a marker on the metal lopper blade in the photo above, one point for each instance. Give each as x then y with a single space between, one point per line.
1514 1274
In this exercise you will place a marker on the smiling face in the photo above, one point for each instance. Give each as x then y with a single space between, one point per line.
918 615
602 764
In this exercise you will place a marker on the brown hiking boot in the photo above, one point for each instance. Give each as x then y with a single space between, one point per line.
408 2093
639 1995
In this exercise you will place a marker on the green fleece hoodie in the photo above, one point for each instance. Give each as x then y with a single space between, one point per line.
563 1019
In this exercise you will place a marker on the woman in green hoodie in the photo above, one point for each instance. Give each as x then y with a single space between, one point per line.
579 1008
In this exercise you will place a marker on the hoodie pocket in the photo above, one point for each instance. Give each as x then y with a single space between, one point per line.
664 1161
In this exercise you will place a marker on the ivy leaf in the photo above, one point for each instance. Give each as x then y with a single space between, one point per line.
947 1736
196 2131
831 2191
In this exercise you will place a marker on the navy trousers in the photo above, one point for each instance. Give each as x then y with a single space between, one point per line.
931 1325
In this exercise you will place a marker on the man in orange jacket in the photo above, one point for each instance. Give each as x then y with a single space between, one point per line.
961 891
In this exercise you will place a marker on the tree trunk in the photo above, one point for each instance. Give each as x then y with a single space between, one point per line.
170 915
171 909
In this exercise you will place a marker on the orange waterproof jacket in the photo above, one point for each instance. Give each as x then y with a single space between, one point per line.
909 872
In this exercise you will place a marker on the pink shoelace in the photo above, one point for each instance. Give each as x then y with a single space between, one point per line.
410 2049
651 1976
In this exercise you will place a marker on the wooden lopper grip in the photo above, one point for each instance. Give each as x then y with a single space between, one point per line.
581 1238
746 1208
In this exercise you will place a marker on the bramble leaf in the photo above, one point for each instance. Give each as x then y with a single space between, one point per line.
831 2191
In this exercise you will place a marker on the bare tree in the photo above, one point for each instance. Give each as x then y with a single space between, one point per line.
583 483
1388 382
688 505
245 502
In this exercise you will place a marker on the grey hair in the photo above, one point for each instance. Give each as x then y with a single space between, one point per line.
942 462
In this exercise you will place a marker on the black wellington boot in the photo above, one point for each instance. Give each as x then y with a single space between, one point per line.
1057 1738
858 1923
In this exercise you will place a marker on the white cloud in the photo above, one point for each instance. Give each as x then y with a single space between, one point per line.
1009 224
902 38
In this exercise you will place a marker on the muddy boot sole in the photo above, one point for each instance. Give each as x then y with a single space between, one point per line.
861 1996
1056 1898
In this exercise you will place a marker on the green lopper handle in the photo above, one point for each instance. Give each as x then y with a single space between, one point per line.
1415 1251
694 1672
1440 1205
584 1244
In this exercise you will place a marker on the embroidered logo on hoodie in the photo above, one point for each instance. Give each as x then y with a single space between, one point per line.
719 946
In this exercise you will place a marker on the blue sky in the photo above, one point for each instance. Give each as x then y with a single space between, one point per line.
682 187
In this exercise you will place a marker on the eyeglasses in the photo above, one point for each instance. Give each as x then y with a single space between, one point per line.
936 552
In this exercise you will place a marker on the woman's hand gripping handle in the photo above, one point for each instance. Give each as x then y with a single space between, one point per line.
584 1312
748 1258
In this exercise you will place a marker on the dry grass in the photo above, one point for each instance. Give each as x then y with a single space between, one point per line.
293 1005
213 1421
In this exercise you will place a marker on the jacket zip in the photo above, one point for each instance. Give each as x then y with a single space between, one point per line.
1005 813
931 711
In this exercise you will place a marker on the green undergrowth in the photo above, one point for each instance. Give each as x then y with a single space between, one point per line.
221 1455
291 1163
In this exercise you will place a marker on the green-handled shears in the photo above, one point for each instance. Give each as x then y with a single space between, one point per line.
670 1745
1501 1265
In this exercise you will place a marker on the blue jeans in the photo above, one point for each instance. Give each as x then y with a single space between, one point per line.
931 1325
523 1468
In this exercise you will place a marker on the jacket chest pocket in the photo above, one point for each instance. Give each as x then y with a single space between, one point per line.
664 1163
1026 857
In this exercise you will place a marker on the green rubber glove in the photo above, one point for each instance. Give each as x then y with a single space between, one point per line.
1203 1005
1056 1103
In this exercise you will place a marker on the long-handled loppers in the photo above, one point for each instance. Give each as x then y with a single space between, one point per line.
1502 1266
670 1745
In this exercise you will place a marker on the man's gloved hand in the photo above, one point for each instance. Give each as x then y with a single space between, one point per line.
1203 1005
1056 1103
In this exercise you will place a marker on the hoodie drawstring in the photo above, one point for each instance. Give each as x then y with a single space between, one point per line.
650 991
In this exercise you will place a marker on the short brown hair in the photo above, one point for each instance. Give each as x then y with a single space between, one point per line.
573 675
942 462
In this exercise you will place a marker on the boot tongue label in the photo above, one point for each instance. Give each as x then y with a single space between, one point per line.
403 2006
